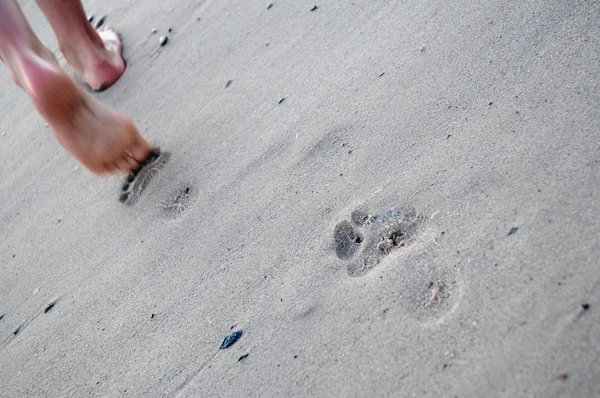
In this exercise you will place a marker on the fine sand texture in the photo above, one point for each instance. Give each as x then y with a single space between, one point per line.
388 198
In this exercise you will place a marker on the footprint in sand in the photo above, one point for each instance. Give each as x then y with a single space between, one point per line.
429 288
137 180
367 238
178 202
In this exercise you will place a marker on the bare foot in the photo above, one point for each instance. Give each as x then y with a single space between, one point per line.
100 138
98 58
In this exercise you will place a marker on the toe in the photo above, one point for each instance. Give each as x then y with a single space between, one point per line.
140 149
133 164
107 168
122 165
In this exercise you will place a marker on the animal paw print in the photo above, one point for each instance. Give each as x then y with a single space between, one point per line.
366 239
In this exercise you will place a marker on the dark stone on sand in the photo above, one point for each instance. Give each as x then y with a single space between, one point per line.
123 198
269 6
1 315
100 21
281 100
125 187
152 316
228 83
241 358
49 307
513 230
90 18
163 40
314 8
585 306
17 330
231 339
169 30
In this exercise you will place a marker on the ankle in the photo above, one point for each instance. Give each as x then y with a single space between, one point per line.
21 59
83 46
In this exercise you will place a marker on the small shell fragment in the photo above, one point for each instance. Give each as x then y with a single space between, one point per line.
163 40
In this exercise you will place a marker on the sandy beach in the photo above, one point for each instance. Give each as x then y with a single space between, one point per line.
389 199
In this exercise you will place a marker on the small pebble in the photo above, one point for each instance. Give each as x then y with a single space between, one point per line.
585 306
152 316
228 83
154 31
17 330
163 40
49 307
100 22
421 49
269 6
281 100
231 339
243 357
513 230
90 18
123 198
314 8
1 315
125 187
169 30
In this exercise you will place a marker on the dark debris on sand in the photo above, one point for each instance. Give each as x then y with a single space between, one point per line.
49 307
230 340
100 21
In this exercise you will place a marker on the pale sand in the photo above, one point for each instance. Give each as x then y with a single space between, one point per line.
516 84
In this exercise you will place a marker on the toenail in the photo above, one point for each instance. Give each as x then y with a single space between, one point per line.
123 197
130 177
